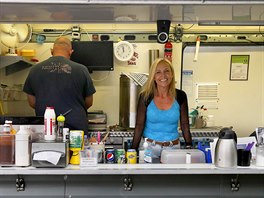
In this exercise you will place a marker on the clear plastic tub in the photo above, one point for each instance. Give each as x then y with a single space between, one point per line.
7 149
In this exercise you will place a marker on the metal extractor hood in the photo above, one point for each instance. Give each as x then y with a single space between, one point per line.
13 64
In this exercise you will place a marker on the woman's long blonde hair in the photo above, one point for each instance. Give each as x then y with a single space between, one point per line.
150 86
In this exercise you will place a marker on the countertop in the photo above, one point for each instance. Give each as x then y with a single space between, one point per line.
132 169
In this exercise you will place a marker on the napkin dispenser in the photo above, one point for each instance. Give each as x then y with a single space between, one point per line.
50 154
182 156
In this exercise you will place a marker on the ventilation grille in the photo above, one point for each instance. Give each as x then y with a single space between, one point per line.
207 95
207 91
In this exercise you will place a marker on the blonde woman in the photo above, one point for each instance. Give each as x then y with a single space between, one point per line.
160 108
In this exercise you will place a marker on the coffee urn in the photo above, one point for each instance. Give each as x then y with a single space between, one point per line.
128 97
226 149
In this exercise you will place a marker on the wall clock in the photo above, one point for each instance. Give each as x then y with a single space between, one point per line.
124 51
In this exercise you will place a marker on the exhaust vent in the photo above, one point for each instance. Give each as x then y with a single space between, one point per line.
207 94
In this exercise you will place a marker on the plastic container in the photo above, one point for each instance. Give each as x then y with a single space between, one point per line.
7 149
260 155
22 154
49 124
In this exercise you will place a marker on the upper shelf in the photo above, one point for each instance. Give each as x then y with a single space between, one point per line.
98 11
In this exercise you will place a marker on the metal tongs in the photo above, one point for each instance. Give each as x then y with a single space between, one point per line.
64 114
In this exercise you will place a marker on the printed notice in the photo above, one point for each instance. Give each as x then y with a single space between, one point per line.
187 82
239 67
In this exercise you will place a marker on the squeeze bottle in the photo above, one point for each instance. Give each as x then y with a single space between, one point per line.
50 124
22 155
60 120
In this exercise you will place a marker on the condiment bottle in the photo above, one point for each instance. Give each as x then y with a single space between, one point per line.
50 124
22 155
60 120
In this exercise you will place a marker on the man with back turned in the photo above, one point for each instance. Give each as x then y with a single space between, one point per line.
63 84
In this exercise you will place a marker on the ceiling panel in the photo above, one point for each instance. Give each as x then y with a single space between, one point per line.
122 13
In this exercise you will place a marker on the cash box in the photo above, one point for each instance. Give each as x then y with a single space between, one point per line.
50 154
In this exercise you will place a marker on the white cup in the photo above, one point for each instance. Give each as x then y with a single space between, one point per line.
210 121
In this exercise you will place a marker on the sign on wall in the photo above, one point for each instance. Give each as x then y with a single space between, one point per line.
239 67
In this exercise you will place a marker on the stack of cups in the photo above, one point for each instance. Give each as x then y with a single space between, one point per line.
260 155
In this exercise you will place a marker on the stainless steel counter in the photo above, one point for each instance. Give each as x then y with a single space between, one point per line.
128 180
132 169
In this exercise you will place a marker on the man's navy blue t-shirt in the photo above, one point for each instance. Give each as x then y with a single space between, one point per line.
62 84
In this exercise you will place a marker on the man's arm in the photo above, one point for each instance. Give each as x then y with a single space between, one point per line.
31 100
89 101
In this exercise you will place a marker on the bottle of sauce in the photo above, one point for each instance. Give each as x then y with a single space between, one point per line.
50 124
7 146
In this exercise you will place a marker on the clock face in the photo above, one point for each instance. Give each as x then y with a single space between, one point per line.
124 51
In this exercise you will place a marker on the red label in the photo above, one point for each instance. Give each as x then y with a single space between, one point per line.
51 127
45 126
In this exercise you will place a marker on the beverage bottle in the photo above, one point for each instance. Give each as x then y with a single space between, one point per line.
85 142
49 124
147 152
22 151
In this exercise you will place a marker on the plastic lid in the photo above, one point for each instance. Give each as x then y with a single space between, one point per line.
60 118
8 122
